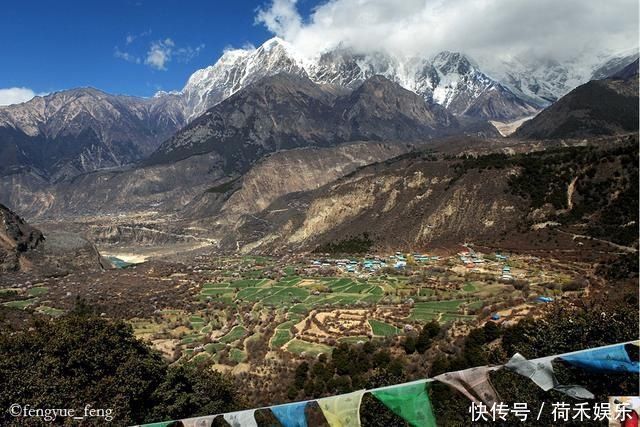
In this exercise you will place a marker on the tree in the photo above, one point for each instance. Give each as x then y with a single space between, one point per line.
409 344
491 331
426 336
301 375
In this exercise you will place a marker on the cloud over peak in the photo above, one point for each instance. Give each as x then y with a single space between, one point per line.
17 95
504 28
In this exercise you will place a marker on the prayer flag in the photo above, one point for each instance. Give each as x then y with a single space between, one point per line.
540 371
410 401
473 383
241 418
343 410
608 359
291 415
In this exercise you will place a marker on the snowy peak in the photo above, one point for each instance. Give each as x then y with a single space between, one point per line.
452 63
543 81
234 70
451 79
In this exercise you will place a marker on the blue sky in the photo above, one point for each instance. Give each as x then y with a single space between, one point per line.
54 45
138 47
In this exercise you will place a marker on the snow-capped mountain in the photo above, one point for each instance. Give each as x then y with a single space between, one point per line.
234 70
487 89
450 79
543 81
80 130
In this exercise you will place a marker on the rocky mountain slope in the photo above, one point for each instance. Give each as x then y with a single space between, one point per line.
283 173
208 210
560 195
16 238
600 107
277 113
286 111
25 248
80 130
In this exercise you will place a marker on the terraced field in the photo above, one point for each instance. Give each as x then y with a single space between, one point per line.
234 334
294 290
280 338
383 329
297 346
443 311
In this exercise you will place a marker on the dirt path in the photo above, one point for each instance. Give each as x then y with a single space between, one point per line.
570 190
615 245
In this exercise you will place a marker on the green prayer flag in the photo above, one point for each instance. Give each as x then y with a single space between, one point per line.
342 410
410 401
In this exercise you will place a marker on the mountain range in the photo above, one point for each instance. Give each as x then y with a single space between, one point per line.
79 130
75 131
600 107
287 111
279 112
281 160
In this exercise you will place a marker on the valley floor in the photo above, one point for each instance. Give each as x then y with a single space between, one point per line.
251 315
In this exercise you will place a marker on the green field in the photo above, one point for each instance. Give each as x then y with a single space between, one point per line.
20 304
234 334
298 346
245 283
289 323
237 355
299 309
38 291
445 311
353 340
383 329
334 291
50 311
280 338
469 287
214 347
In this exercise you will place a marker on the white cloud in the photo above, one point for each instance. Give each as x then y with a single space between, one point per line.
547 28
159 54
132 37
17 95
281 18
186 54
129 57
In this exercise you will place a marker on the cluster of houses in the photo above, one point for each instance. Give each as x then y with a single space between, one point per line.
373 264
400 259
506 273
352 265
471 260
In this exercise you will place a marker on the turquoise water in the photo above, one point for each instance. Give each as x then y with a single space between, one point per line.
118 262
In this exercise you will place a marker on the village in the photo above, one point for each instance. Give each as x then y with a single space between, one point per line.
233 311
305 304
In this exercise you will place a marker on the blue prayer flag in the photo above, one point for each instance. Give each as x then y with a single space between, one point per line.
291 415
609 359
